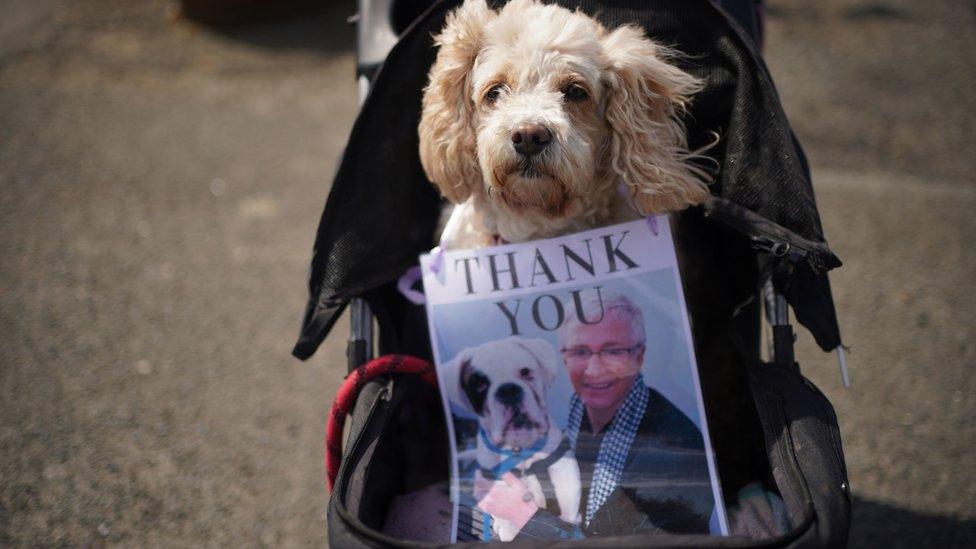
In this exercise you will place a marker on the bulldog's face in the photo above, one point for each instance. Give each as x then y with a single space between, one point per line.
505 383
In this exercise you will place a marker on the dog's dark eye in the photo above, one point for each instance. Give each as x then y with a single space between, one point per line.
575 93
493 93
526 373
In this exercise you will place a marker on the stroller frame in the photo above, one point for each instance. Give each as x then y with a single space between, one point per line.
792 269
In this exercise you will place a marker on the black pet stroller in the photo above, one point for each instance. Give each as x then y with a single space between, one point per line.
754 249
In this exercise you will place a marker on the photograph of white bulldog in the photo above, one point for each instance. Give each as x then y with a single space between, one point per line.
505 383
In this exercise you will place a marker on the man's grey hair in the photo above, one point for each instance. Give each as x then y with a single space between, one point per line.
602 303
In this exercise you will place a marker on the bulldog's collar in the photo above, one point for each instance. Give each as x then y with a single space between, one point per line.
513 457
538 468
517 451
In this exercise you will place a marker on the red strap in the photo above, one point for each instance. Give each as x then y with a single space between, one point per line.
346 398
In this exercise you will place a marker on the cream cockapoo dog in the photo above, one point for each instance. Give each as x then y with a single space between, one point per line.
538 122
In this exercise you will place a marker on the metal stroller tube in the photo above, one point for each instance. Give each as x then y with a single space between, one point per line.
374 39
778 317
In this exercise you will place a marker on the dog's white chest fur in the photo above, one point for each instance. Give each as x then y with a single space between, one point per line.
564 474
473 225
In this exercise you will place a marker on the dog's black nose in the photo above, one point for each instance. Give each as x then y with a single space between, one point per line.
531 139
509 394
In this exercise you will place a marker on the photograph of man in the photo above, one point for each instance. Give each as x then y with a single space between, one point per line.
643 464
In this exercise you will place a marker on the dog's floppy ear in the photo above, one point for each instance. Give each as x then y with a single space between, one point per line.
648 147
545 354
448 150
451 377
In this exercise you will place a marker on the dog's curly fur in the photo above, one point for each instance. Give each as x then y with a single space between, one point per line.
611 101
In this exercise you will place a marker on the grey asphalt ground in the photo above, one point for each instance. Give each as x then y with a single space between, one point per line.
160 185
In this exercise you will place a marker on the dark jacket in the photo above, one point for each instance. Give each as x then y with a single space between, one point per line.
665 485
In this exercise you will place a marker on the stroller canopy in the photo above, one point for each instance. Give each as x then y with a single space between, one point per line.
382 210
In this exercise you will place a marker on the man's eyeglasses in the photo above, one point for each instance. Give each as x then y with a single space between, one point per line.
610 356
